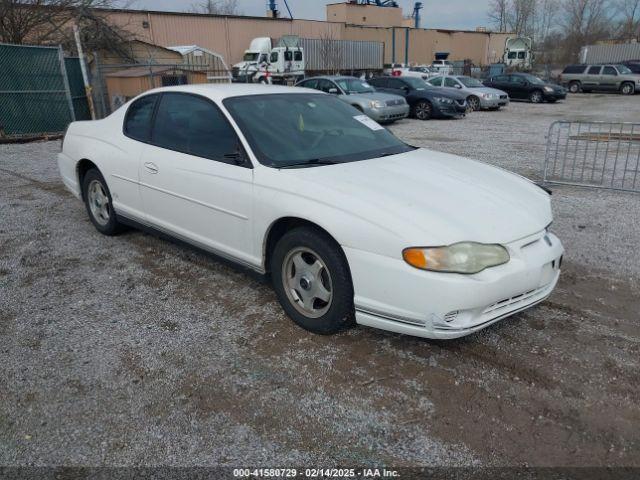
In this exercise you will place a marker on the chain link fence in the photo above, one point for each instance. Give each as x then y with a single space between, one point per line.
38 96
116 84
594 154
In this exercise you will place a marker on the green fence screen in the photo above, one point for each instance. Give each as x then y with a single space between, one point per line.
40 92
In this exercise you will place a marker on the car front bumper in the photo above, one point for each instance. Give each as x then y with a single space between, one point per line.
555 95
388 114
493 102
447 110
391 295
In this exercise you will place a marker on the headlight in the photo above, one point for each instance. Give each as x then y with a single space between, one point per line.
464 257
548 89
376 104
448 101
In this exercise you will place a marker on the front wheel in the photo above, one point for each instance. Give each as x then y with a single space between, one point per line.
312 280
97 199
423 110
473 103
536 96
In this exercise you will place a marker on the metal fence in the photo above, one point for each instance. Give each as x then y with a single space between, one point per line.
37 94
115 84
594 154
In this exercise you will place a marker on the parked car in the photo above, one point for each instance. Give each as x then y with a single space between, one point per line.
441 67
478 96
382 107
425 101
607 78
401 70
348 221
633 65
524 86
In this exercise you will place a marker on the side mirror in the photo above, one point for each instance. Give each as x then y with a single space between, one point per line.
333 91
458 86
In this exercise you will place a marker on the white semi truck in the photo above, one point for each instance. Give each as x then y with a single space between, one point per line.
263 63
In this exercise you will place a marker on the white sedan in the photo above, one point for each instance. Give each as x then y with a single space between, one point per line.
350 222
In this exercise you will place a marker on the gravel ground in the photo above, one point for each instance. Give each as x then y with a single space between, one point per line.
134 351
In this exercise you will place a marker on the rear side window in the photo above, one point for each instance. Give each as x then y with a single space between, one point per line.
193 125
609 71
310 84
501 79
380 82
137 123
574 69
436 82
594 70
288 56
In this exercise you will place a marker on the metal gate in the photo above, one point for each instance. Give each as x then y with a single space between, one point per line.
594 154
36 94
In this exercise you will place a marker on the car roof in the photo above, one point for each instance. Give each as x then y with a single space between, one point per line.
331 77
220 91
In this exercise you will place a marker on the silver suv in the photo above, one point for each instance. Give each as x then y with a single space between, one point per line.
611 78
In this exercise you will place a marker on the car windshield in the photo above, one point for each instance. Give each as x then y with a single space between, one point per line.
470 82
354 85
533 79
623 70
309 129
416 83
250 57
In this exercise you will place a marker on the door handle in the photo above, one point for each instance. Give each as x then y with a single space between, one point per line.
151 167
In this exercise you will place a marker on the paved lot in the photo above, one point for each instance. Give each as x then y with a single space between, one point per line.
134 351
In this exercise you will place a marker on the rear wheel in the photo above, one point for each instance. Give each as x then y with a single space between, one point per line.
536 96
423 110
312 280
473 103
574 87
97 199
627 88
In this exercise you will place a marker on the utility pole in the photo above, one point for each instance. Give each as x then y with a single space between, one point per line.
83 68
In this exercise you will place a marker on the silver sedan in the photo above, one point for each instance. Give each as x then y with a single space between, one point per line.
479 97
381 107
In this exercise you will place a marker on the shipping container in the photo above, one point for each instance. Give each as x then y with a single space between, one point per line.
610 53
327 55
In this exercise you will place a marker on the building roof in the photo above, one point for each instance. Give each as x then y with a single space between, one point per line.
187 49
143 71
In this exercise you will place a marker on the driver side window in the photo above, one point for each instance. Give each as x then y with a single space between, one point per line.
436 82
450 82
326 85
274 57
194 125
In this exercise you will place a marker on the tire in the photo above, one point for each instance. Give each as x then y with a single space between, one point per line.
627 88
574 87
312 280
536 97
474 103
423 110
98 202
262 81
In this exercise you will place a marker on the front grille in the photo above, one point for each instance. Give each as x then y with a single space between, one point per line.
391 103
235 71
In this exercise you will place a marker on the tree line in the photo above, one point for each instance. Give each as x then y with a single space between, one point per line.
559 28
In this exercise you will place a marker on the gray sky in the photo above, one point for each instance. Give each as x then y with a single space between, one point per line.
462 14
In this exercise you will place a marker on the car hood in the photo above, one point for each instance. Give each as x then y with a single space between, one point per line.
430 198
383 97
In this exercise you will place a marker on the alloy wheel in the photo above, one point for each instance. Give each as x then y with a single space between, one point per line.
423 111
307 282
536 97
474 104
99 203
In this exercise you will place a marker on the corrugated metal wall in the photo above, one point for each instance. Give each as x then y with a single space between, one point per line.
610 53
347 54
230 36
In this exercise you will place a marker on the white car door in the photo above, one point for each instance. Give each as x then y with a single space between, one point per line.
192 184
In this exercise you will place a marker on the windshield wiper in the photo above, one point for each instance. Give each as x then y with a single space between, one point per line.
309 163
